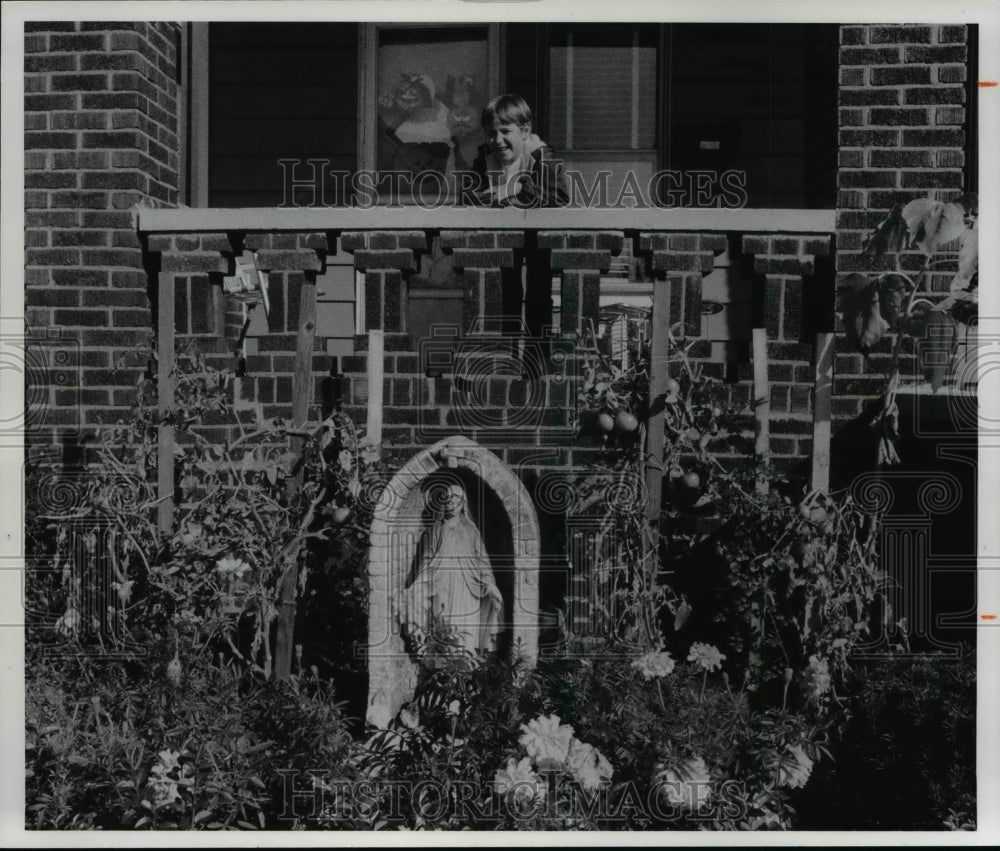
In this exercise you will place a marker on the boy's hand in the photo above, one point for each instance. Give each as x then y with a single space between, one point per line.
506 193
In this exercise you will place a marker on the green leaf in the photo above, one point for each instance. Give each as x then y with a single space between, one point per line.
933 223
968 259
861 307
889 236
682 614
892 290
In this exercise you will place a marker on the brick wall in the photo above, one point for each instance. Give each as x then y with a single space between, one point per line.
902 136
787 275
101 137
527 423
480 391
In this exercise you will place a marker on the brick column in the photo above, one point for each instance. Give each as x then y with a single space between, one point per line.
786 266
292 262
100 137
679 260
386 257
289 259
481 256
188 268
581 258
192 267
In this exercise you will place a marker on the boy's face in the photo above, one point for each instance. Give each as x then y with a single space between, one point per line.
507 140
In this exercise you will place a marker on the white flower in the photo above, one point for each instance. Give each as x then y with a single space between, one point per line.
69 623
794 772
192 532
546 741
165 787
706 655
174 671
589 767
817 677
124 589
654 664
519 779
169 760
685 784
232 567
165 791
370 453
454 708
409 717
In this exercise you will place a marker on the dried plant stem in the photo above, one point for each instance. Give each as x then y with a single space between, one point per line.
887 414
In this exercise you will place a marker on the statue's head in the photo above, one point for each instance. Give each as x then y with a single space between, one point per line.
454 502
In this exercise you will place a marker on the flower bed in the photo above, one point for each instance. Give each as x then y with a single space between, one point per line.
720 691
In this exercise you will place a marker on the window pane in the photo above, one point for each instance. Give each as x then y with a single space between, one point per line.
275 94
602 88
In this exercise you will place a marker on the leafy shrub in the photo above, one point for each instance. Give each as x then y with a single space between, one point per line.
720 689
151 699
907 758
874 307
112 745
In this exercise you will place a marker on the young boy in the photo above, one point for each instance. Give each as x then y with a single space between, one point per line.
515 167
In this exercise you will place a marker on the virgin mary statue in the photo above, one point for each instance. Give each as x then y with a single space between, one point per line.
454 582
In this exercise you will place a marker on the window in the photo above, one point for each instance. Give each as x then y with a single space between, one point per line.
603 100
758 99
424 89
755 100
280 91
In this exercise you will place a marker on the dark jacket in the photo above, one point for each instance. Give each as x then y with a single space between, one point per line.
543 183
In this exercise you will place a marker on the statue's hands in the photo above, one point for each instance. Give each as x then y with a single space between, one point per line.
495 597
416 636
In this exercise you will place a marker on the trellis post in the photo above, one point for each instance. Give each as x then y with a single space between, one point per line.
301 396
164 402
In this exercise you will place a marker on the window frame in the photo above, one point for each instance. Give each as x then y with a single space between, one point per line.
368 78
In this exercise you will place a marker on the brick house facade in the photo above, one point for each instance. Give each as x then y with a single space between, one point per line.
105 127
110 138
118 237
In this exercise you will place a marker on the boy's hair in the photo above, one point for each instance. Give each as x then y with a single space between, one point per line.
506 109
